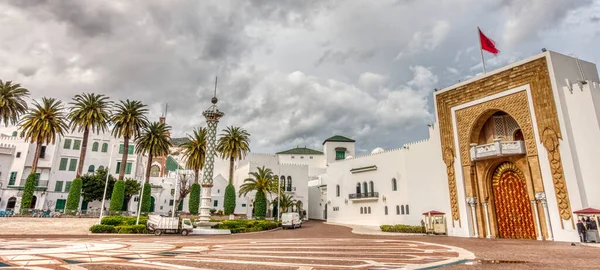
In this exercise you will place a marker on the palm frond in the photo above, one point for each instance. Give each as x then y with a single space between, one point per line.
44 122
12 102
90 111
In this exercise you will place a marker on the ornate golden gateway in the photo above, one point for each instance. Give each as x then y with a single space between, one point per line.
535 73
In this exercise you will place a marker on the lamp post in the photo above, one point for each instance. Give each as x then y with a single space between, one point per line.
212 115
106 183
137 221
175 192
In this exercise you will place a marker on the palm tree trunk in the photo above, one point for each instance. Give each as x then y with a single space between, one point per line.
196 176
36 158
231 161
84 143
124 158
148 166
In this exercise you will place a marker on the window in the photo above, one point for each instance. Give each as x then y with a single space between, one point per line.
67 186
129 149
218 191
394 184
301 157
357 188
340 155
67 144
289 183
243 205
171 202
73 165
92 168
361 210
128 168
18 154
172 192
407 212
12 179
369 209
311 157
402 209
43 152
386 210
215 203
104 147
76 144
337 190
282 182
95 147
58 187
292 156
63 164
14 134
366 188
397 209
101 167
371 187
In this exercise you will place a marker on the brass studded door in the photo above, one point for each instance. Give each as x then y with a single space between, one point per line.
513 208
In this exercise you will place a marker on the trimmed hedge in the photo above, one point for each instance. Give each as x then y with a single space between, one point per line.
137 229
229 203
99 228
28 192
401 228
118 196
243 226
146 203
260 205
194 203
74 196
122 221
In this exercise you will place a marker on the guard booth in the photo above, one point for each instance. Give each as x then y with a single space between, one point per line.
592 229
435 222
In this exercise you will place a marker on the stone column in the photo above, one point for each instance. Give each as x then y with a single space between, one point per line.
487 220
537 220
472 201
541 196
212 115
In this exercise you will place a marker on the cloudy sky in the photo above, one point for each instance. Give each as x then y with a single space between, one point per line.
291 72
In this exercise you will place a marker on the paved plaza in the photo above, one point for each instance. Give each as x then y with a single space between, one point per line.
314 246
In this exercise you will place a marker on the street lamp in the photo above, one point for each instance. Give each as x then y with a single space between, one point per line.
106 183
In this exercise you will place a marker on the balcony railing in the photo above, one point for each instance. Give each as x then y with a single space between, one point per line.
364 195
39 185
497 149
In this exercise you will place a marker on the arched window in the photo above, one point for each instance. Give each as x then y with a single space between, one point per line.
386 210
91 168
14 134
394 184
104 147
361 210
289 183
282 182
358 188
365 188
154 171
407 212
402 209
369 209
371 188
337 190
95 147
397 209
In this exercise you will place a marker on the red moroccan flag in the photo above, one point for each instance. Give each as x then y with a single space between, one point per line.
487 44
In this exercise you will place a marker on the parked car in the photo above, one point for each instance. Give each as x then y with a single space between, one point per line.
160 225
291 220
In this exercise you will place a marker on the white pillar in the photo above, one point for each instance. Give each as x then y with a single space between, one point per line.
205 202
487 220
472 202
541 196
538 228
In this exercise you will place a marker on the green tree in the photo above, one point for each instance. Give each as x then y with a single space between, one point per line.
74 196
117 198
41 125
89 112
194 151
132 187
154 140
28 193
129 118
12 102
287 201
234 144
262 182
93 185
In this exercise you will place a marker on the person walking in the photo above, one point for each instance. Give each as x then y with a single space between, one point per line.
582 231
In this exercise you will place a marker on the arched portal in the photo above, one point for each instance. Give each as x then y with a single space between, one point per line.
514 215
11 203
33 202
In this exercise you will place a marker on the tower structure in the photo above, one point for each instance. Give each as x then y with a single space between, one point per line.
212 115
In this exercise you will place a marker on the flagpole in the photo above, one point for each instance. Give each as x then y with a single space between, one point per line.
481 49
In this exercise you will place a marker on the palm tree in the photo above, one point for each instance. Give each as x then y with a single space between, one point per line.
88 112
263 182
128 119
155 141
286 201
194 151
233 144
42 124
12 103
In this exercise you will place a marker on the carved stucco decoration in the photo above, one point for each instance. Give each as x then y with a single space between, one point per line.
448 156
550 142
535 73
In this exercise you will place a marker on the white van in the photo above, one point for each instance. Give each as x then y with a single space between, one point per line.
291 220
